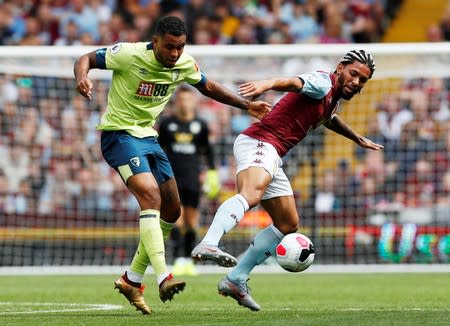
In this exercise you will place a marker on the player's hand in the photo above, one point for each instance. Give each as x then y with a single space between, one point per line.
211 185
84 87
259 109
253 89
367 143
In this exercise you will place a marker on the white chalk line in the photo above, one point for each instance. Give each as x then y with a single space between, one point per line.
75 307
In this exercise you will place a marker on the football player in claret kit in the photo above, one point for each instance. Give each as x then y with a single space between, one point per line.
145 75
184 136
312 100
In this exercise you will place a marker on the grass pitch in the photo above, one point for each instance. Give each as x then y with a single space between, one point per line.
286 299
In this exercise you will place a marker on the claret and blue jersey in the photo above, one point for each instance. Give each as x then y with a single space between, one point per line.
295 114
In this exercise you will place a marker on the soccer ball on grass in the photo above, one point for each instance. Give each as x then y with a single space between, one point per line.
295 252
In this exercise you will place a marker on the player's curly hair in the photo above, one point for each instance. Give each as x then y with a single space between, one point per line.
361 56
170 25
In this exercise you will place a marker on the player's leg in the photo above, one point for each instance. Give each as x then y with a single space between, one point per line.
285 220
127 154
191 219
170 210
254 160
185 234
283 212
170 206
251 184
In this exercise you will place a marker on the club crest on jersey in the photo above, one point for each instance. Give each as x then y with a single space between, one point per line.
135 161
175 74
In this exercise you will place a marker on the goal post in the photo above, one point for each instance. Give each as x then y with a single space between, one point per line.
60 204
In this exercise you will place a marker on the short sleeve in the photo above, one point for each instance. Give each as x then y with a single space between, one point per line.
194 75
118 56
316 84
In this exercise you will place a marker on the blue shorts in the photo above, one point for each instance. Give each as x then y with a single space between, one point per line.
130 155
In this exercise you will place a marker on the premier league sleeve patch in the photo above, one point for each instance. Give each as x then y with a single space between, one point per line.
116 48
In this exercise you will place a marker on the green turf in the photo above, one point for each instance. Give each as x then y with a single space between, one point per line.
286 299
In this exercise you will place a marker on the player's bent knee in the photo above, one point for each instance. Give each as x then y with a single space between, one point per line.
171 215
148 197
287 227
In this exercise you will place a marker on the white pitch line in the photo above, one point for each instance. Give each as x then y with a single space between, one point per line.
82 307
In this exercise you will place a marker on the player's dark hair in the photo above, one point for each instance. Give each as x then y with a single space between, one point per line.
361 56
170 25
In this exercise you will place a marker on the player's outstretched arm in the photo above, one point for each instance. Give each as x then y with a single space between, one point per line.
254 89
212 89
339 126
81 68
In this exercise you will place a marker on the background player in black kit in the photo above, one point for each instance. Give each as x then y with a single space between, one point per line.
185 139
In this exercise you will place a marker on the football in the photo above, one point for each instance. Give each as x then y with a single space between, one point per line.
295 252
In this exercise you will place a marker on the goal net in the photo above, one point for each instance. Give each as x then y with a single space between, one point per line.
60 204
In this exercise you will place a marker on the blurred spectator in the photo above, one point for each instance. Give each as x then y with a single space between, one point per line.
246 32
434 33
71 35
366 19
375 133
14 23
193 11
392 117
10 118
8 89
33 35
373 166
49 25
327 199
301 19
59 188
84 198
22 200
142 24
445 24
419 190
6 198
108 21
333 30
103 9
280 34
443 190
36 179
438 98
14 163
80 13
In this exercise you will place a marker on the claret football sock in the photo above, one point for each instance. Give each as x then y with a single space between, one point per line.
262 247
227 217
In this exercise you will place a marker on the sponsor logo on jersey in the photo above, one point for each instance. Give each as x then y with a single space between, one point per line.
135 161
145 88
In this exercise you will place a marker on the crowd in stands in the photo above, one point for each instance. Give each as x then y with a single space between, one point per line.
103 22
50 160
412 171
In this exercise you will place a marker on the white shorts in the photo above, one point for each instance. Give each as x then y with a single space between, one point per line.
249 151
